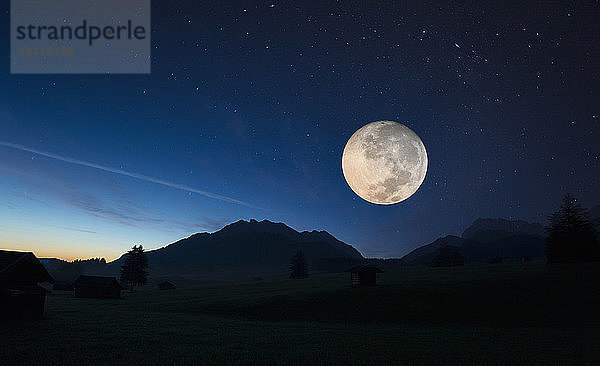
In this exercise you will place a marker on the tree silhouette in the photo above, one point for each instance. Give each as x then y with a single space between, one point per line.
133 271
298 267
571 235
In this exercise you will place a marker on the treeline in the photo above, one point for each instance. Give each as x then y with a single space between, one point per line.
69 271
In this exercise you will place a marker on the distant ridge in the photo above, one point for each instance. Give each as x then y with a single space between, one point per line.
247 246
486 230
487 239
257 247
52 263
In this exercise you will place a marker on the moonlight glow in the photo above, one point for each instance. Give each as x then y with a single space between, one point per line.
384 162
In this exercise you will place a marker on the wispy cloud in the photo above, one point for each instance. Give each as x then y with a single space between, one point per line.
100 200
126 173
73 229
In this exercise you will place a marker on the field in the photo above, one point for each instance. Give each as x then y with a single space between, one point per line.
495 314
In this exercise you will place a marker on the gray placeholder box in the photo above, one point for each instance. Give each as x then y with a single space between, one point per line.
80 37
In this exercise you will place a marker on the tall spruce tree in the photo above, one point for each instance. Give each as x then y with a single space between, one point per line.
298 267
571 234
133 271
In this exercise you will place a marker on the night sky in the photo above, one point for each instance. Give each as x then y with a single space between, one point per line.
249 106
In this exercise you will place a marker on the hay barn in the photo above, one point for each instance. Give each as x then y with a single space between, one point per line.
21 296
97 287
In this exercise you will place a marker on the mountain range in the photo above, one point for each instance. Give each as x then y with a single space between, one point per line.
487 239
246 248
252 244
492 240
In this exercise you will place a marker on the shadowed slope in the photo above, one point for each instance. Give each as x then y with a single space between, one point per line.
249 244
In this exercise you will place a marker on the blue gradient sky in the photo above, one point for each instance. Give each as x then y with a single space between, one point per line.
257 105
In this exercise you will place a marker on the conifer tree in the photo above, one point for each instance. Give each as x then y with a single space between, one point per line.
571 234
133 271
298 267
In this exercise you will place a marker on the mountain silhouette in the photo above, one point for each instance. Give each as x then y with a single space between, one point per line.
426 253
246 246
486 230
486 239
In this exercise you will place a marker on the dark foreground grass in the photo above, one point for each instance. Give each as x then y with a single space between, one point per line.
512 315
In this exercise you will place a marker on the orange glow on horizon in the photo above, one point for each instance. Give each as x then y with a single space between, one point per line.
65 256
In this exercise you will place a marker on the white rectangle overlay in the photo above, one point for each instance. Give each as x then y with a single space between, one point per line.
80 37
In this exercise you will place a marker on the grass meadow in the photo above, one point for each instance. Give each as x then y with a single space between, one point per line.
474 315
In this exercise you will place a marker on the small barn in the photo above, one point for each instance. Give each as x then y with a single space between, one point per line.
21 296
62 286
166 285
97 287
364 275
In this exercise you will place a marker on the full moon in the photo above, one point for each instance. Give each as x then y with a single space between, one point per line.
384 162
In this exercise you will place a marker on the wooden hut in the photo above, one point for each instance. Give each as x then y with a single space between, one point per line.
97 287
166 285
21 297
364 275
